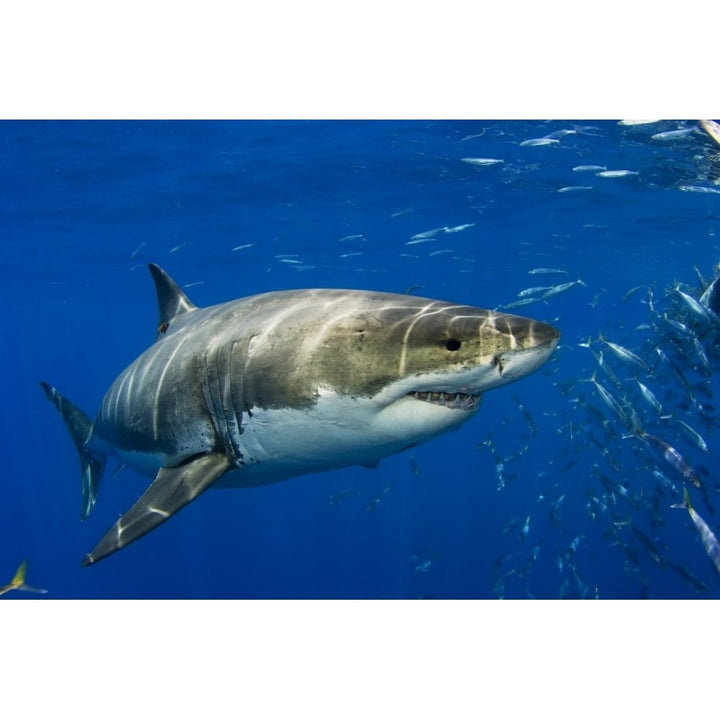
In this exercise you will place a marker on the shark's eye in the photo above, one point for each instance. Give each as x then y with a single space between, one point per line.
453 345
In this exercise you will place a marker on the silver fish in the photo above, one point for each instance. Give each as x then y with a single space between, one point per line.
694 435
699 189
533 290
608 399
483 162
538 142
557 289
673 134
624 354
709 541
589 168
616 173
547 271
650 397
700 310
671 456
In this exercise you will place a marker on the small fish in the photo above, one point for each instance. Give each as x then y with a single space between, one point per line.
697 584
605 367
694 435
608 399
137 249
631 292
650 397
649 546
709 541
377 499
557 134
557 289
699 189
574 188
680 327
633 123
624 354
670 135
528 418
420 240
428 234
338 497
670 455
483 162
539 142
178 247
575 543
664 480
702 356
547 271
616 173
242 247
673 366
525 528
459 228
700 310
522 301
533 290
18 582
355 237
589 168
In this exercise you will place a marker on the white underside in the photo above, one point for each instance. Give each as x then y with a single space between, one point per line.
337 432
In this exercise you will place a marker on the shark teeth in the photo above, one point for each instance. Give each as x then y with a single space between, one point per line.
454 401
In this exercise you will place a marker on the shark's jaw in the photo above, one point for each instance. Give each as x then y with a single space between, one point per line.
463 390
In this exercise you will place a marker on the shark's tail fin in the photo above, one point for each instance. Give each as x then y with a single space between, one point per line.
79 426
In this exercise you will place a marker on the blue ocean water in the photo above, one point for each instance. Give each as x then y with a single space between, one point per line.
549 492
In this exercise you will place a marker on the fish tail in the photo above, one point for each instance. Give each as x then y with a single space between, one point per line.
79 426
685 504
637 425
19 577
686 500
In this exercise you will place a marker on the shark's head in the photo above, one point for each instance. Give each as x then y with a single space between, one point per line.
427 363
417 366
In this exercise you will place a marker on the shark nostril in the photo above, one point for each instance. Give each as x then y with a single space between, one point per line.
453 345
498 363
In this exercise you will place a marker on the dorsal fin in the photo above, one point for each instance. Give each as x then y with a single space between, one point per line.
172 301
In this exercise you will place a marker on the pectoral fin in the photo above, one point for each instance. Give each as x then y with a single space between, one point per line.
172 489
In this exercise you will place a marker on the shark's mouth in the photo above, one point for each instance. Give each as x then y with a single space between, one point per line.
454 401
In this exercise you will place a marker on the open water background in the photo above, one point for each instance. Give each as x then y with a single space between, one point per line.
237 208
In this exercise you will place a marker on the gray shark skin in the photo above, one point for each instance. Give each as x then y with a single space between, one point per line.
281 384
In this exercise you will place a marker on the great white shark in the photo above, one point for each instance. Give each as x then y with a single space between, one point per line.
281 384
